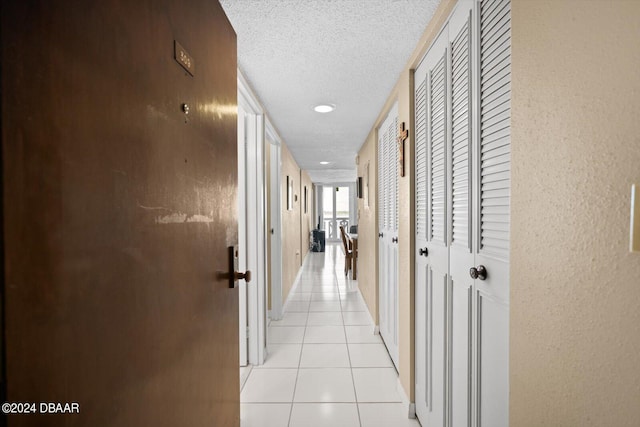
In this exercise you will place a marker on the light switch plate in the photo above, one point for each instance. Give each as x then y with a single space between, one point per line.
635 219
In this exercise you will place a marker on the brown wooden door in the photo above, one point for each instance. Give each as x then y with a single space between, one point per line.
118 209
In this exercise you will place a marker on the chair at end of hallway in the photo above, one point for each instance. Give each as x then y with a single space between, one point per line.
348 254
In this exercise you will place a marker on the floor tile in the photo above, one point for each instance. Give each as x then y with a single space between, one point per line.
325 306
385 415
326 290
285 334
356 318
361 334
324 335
264 414
300 296
350 296
325 296
269 385
325 282
348 288
353 306
325 318
324 356
376 384
291 319
369 356
324 415
292 306
282 356
304 287
324 385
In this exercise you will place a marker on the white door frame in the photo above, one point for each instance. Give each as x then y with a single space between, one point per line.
276 224
242 237
253 238
353 203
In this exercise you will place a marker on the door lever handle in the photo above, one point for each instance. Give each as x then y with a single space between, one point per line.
380 234
232 275
394 240
239 276
424 251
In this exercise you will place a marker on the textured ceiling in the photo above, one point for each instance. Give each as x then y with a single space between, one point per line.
299 53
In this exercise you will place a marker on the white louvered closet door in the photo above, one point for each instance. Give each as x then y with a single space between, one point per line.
382 228
493 188
462 118
460 250
388 235
432 251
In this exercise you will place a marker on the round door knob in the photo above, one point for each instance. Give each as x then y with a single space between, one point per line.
394 240
424 252
380 234
239 276
479 272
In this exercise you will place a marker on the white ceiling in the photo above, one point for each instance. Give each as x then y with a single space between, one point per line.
299 53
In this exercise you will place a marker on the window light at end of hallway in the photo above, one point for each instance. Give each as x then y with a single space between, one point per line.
324 163
324 108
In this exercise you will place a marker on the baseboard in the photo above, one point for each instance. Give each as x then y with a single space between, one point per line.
245 375
410 406
376 328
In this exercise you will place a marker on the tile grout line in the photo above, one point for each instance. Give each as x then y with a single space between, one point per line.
353 381
295 385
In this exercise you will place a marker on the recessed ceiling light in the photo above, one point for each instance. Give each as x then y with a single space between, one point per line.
324 108
324 163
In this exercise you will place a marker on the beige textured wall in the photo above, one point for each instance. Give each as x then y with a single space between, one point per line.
575 288
305 218
406 242
367 227
291 255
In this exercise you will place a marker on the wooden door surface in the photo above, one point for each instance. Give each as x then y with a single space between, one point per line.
118 209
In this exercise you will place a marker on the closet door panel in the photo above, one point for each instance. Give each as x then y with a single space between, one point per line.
493 221
460 181
388 251
422 311
431 222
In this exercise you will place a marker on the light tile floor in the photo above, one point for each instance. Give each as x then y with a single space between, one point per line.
325 367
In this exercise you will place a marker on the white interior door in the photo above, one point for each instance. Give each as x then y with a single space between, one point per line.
388 232
276 234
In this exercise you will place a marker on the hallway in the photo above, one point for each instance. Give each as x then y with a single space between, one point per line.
325 366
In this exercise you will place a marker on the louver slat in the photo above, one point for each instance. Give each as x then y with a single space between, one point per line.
460 137
381 186
421 160
437 116
495 133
